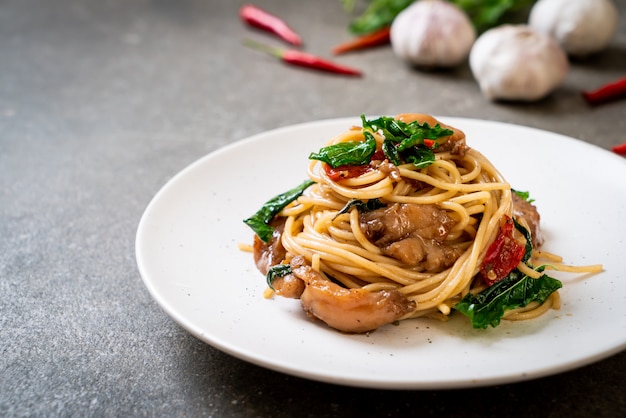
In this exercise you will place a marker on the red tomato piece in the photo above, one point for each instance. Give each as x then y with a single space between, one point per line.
379 155
345 171
503 255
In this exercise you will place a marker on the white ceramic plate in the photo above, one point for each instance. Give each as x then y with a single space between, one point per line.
188 257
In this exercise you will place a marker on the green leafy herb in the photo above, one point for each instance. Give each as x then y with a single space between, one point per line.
484 14
523 195
405 142
528 252
391 152
516 291
378 14
275 272
259 222
347 153
420 157
367 206
404 134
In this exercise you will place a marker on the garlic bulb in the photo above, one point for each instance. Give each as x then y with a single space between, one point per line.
432 33
515 62
581 27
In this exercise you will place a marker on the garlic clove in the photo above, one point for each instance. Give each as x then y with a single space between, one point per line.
581 27
515 62
432 33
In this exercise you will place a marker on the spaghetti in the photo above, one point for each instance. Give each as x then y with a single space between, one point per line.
401 219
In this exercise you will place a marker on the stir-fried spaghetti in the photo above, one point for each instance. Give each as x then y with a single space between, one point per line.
401 219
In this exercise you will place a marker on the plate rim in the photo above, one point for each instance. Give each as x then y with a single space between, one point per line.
323 377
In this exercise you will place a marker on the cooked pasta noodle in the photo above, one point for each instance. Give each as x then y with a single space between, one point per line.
460 184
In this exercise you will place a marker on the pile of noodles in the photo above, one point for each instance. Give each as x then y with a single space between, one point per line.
464 184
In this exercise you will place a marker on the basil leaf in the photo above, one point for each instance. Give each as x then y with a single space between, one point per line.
390 127
399 131
487 14
516 291
368 206
379 13
484 14
404 142
391 152
275 272
523 195
420 157
529 243
420 132
347 153
260 220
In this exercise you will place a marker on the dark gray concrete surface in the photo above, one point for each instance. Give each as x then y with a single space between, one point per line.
103 101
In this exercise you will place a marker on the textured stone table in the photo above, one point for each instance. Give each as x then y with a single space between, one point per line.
103 101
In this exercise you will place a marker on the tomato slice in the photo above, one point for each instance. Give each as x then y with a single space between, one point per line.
345 171
503 255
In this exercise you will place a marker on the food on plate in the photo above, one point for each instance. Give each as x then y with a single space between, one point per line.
399 219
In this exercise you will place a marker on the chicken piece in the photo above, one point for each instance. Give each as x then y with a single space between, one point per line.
409 250
289 286
268 254
348 310
387 225
435 256
412 234
454 143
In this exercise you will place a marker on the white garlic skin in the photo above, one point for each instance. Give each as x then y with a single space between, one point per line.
581 27
517 63
432 33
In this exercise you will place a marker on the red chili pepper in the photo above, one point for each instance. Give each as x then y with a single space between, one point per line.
303 59
503 255
430 143
378 37
619 149
261 19
609 92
